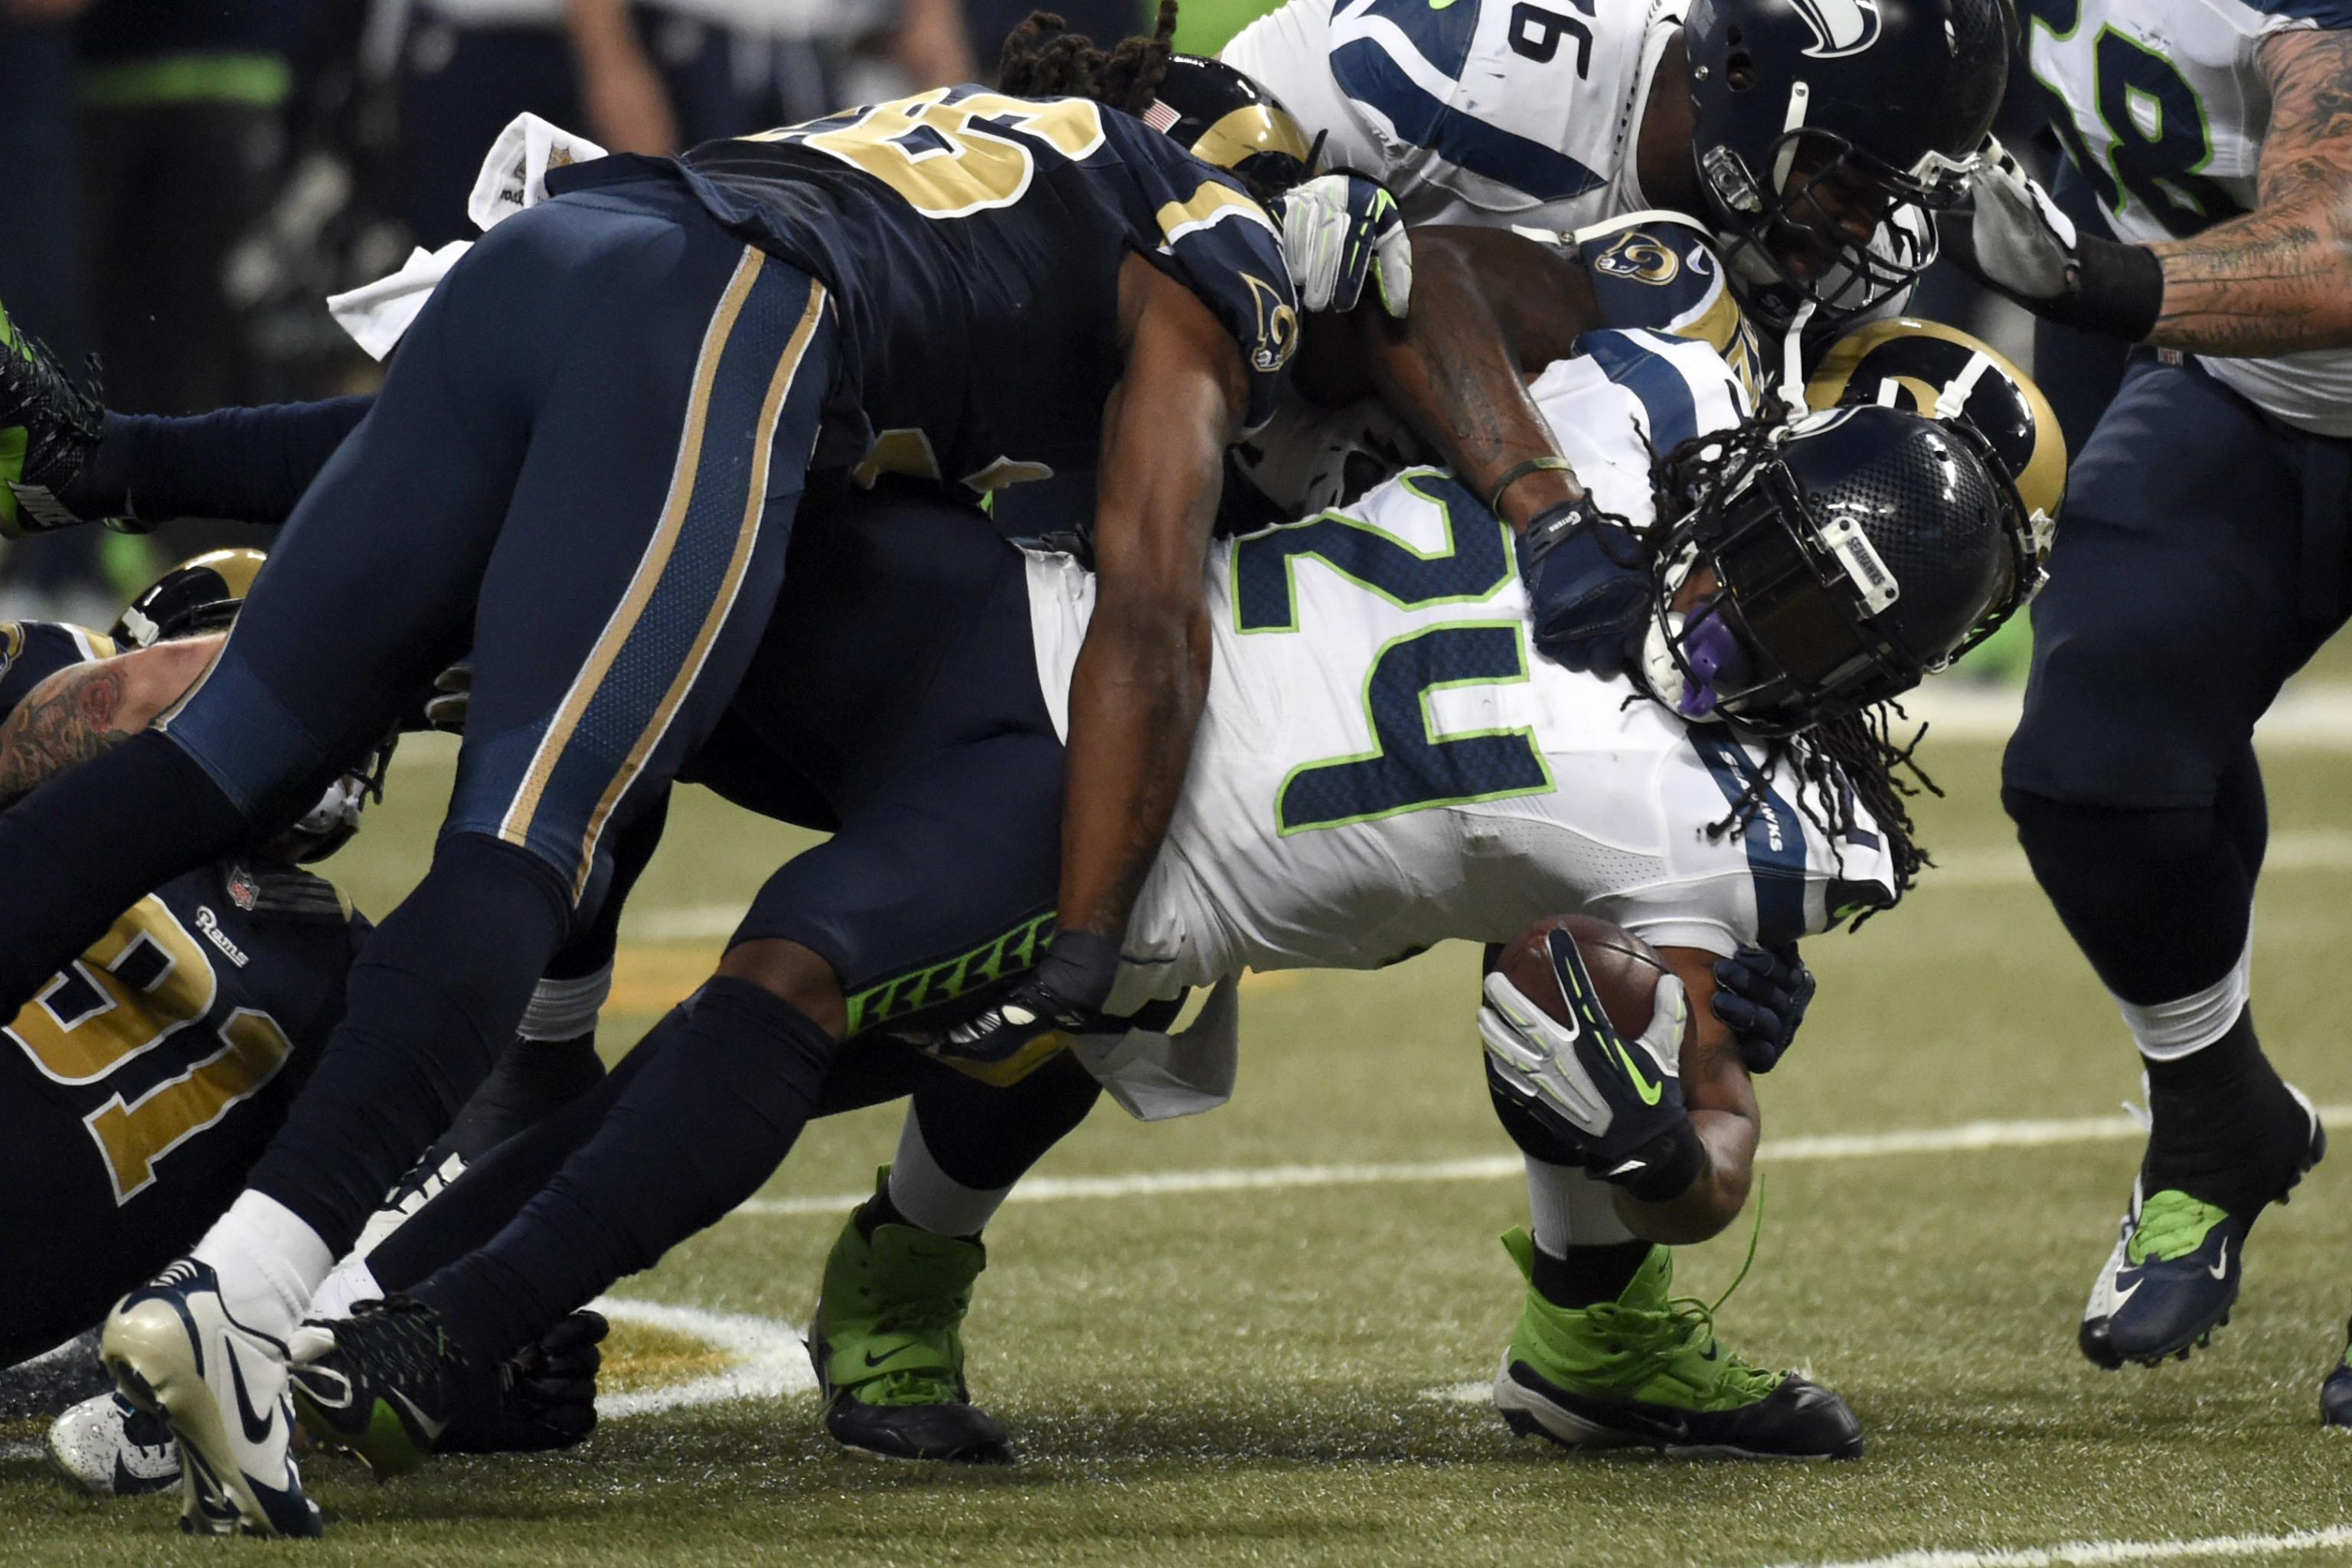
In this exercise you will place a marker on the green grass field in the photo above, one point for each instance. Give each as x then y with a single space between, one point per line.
1273 1374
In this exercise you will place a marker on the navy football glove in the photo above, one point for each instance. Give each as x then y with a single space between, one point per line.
1617 1101
1588 589
1339 231
1762 998
1062 997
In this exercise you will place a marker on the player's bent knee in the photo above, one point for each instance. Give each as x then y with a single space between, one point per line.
792 974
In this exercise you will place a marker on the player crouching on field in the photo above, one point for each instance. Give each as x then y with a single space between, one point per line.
1804 576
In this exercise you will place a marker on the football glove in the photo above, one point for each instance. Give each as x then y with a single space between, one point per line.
1761 998
2016 242
1617 1101
453 697
1063 997
1587 587
48 427
1339 230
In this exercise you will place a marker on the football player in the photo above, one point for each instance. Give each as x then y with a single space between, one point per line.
148 1075
1600 1355
1808 135
2202 564
584 465
1383 764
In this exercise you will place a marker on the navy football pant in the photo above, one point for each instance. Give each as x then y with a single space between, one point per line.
584 465
2200 563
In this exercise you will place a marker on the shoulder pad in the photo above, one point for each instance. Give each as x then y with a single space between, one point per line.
1659 270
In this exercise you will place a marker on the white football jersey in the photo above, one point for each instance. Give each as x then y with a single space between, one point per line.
1385 763
1473 112
2163 105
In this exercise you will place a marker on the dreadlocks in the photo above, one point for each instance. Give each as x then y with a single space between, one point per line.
1852 760
1042 59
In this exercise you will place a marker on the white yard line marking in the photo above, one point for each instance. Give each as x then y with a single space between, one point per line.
1481 1392
2090 1553
2314 716
771 1361
1962 1138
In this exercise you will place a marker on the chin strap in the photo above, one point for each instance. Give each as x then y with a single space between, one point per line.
1792 363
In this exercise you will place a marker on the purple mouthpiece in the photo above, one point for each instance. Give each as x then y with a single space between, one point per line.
1717 662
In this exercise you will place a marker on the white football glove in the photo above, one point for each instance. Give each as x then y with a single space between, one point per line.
1613 1099
1339 230
2017 242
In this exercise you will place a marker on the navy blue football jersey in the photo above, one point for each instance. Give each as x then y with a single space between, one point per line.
973 242
162 1058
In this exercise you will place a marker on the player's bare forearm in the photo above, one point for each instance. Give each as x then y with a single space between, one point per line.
85 709
2279 279
1722 1102
1489 308
1142 675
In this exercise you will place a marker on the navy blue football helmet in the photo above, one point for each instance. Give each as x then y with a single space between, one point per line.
1829 130
1844 556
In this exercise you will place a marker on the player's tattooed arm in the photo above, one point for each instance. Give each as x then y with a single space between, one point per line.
85 709
1490 308
1142 673
2278 279
1722 1104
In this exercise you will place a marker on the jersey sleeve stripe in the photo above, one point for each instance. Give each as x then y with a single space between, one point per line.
1775 841
1366 73
1651 376
1442 34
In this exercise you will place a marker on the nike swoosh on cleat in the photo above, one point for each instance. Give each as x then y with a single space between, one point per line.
2118 1297
873 1361
2221 1269
258 1428
430 1427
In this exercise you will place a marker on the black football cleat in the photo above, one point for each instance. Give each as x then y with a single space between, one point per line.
2173 1277
386 1383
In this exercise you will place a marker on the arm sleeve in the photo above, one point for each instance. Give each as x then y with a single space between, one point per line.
243 465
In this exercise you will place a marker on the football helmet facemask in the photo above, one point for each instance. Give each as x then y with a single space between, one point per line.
1845 556
203 594
1228 121
1827 132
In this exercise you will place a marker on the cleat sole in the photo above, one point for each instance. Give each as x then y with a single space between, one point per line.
146 1348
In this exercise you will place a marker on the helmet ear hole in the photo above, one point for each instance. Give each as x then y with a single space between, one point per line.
1731 36
1739 73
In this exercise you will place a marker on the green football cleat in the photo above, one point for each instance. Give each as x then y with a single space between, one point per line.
47 426
887 1345
1646 1371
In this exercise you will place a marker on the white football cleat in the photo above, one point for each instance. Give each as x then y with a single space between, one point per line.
107 1446
176 1352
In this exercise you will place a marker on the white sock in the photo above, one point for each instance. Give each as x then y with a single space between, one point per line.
346 1288
2168 1031
928 1198
269 1261
565 1009
1571 1208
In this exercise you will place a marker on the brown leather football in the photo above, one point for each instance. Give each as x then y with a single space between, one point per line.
1625 969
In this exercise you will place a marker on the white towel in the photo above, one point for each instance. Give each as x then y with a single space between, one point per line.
514 176
1156 1076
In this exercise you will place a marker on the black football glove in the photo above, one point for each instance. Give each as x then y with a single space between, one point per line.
1062 997
1587 587
1761 997
1619 1103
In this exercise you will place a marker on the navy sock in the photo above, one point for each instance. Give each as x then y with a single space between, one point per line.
693 1133
436 992
480 1204
246 465
2158 900
987 1138
2224 1129
1583 1276
79 855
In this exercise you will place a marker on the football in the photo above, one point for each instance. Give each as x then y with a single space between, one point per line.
1623 967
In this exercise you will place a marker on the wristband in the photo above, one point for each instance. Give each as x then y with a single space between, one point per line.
2118 290
1670 1162
1520 471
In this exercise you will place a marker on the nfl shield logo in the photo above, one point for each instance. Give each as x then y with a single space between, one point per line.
243 890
